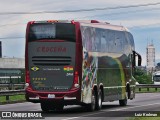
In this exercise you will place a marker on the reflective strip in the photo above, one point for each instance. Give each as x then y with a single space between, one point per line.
69 98
34 98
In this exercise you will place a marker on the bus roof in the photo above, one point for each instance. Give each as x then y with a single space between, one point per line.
102 25
91 23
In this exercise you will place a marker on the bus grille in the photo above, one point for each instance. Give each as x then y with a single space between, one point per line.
51 60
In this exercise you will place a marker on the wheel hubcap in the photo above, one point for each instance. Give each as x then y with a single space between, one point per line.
93 102
100 101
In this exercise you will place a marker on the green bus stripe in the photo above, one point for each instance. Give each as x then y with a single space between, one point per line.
122 78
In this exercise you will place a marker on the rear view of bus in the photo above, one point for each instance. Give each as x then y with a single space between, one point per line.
52 75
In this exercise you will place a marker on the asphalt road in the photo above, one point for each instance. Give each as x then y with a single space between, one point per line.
144 103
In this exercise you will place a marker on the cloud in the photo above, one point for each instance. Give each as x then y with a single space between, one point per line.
139 21
136 23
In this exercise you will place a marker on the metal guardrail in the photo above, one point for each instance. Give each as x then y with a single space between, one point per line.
8 93
11 93
11 86
5 85
11 90
147 86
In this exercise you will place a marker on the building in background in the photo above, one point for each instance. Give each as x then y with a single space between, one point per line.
0 49
150 56
12 70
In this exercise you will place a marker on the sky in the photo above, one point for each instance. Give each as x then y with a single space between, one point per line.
141 17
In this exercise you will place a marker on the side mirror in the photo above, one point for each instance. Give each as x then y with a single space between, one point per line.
139 60
135 54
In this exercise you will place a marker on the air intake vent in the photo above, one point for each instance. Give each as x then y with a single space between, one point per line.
51 60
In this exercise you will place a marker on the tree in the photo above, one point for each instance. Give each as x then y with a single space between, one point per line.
142 77
158 64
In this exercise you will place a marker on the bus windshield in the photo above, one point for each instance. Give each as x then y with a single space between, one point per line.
60 31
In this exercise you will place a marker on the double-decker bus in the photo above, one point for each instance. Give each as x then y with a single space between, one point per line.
156 77
79 62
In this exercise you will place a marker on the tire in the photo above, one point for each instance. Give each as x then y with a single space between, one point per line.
59 107
123 102
92 105
128 92
98 104
45 107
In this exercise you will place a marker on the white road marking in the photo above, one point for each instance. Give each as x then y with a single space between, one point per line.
135 107
108 111
71 118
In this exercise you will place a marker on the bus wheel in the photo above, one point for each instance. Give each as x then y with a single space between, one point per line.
59 107
124 101
128 92
99 100
91 106
45 107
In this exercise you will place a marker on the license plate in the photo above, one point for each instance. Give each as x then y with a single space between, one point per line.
51 95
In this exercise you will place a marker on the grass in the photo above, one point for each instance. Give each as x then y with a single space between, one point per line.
144 118
12 98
